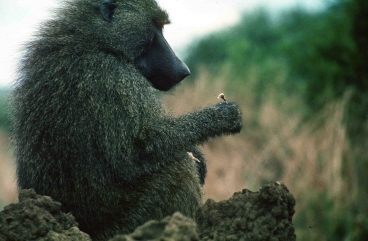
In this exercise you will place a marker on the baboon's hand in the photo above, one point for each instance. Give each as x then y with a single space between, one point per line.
230 117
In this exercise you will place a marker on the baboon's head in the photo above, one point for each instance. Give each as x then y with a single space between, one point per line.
131 29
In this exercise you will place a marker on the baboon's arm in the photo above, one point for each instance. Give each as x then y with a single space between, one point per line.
182 132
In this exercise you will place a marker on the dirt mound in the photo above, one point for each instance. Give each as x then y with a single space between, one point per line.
263 215
176 227
37 217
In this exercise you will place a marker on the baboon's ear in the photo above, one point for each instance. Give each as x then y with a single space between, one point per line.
107 9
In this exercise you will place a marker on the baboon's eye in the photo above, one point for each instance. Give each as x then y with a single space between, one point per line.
159 26
107 10
146 45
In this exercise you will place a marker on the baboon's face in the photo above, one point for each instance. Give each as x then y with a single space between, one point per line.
137 27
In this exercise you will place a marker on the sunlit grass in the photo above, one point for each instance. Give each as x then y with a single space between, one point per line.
8 192
278 143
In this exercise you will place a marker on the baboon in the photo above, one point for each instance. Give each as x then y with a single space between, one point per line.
89 128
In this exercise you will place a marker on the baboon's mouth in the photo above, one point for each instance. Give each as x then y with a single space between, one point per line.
162 83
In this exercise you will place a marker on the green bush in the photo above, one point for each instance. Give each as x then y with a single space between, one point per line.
4 110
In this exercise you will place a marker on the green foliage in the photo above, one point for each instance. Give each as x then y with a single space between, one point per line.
4 110
251 41
331 220
318 49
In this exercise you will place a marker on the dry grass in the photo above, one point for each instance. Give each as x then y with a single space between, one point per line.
276 144
8 193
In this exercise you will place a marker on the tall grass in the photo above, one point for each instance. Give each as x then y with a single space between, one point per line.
8 191
311 156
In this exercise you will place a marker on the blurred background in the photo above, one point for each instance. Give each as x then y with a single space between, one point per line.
298 70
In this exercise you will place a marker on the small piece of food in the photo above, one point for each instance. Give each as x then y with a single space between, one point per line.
193 158
222 96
